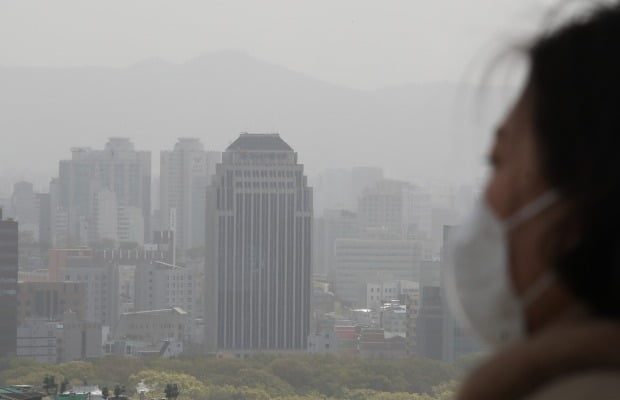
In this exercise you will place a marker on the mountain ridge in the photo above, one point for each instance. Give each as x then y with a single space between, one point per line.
411 130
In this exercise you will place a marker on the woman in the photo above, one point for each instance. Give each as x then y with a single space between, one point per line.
536 272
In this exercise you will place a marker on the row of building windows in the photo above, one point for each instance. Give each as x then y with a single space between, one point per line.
179 292
265 185
147 326
81 278
264 174
385 290
179 277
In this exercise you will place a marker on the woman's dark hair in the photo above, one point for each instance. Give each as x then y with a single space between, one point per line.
574 85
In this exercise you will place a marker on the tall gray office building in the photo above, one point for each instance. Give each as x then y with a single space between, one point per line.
8 286
258 240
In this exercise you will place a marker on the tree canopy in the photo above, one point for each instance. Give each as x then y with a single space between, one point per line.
262 376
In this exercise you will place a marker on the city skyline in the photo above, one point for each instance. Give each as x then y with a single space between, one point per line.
283 200
256 282
217 95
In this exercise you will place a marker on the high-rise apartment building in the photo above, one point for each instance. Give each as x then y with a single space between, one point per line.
44 214
399 209
119 171
334 224
364 177
59 216
185 173
333 190
259 234
8 286
385 206
23 204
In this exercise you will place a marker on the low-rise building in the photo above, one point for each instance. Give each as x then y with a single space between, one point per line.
334 336
394 318
19 393
373 344
50 300
38 340
159 285
83 392
81 340
140 348
365 317
99 276
69 339
152 326
413 309
323 342
380 292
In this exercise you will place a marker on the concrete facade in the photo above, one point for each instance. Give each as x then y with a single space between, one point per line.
381 292
152 326
119 169
359 262
50 300
259 245
334 224
67 339
185 173
9 260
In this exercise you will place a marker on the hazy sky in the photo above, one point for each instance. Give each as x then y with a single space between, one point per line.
359 43
363 44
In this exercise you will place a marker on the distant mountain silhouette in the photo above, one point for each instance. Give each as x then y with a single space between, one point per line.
412 130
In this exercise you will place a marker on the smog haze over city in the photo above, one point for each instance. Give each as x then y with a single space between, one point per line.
326 74
208 180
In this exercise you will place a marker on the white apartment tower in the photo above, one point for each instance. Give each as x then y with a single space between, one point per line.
119 170
185 174
259 245
398 209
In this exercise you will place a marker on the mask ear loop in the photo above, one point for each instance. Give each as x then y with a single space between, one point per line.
529 211
532 209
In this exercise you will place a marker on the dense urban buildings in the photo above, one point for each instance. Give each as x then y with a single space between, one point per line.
429 333
438 335
153 326
341 188
159 285
8 285
334 224
50 300
68 338
235 252
96 186
259 234
362 261
23 206
394 209
185 173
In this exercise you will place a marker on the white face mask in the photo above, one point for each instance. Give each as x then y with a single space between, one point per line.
477 280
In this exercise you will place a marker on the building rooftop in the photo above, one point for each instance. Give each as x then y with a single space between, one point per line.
260 142
176 310
19 393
